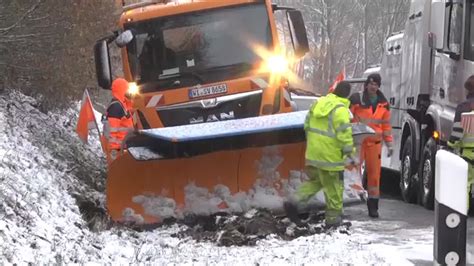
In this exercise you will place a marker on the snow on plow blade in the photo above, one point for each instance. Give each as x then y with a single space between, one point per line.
197 139
230 166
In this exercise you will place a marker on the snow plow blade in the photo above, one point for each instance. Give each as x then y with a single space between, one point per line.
198 139
228 166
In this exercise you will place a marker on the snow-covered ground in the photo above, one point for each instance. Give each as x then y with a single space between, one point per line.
46 172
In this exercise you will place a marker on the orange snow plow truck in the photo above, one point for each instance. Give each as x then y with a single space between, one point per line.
215 126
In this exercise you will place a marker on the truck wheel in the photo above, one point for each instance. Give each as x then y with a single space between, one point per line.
427 174
407 172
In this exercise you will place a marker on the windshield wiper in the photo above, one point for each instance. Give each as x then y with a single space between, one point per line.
198 73
240 66
181 74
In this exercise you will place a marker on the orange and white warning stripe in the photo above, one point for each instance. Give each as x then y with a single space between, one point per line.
153 102
260 83
135 118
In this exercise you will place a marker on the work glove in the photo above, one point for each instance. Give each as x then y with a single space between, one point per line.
114 154
389 152
351 160
389 149
351 163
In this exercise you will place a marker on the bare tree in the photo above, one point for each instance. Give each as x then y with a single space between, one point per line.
46 46
346 33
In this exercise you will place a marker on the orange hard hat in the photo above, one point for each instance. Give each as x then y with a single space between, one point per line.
119 88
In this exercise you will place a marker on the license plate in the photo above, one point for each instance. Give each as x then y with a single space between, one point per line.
205 91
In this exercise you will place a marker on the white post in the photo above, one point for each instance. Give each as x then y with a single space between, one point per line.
450 209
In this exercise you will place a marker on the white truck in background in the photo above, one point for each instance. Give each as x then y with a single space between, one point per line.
423 71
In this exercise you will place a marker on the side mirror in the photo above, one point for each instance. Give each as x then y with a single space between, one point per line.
437 24
102 64
124 38
298 32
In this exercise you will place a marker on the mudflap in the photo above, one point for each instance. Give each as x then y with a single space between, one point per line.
234 181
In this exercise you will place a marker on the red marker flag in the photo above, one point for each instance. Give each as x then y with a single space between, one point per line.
86 119
340 77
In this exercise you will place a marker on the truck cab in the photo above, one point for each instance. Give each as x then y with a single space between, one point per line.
203 61
423 71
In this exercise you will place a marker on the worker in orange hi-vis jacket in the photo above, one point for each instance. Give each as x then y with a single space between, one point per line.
371 107
118 119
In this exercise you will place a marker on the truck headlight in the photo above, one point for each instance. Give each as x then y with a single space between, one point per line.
277 64
132 89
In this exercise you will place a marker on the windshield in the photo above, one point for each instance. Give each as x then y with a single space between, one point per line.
197 48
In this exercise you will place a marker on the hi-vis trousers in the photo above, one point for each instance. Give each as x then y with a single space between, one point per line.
332 184
371 155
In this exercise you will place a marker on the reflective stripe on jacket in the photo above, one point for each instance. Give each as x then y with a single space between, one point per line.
328 133
458 139
117 128
378 119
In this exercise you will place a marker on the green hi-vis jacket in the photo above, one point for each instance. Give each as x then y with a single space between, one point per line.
460 140
329 133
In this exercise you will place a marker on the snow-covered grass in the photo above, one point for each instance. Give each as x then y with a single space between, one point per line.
45 171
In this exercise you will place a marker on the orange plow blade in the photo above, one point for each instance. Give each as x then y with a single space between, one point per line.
227 166
150 191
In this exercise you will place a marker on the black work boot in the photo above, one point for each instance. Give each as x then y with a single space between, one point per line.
333 223
291 210
373 207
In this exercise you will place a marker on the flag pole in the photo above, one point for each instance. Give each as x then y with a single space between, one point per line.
93 111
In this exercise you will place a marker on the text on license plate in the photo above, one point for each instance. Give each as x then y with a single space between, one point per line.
204 91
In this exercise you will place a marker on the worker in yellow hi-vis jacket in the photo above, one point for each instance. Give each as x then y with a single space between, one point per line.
329 144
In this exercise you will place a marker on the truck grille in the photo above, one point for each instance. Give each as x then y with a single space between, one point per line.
227 107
